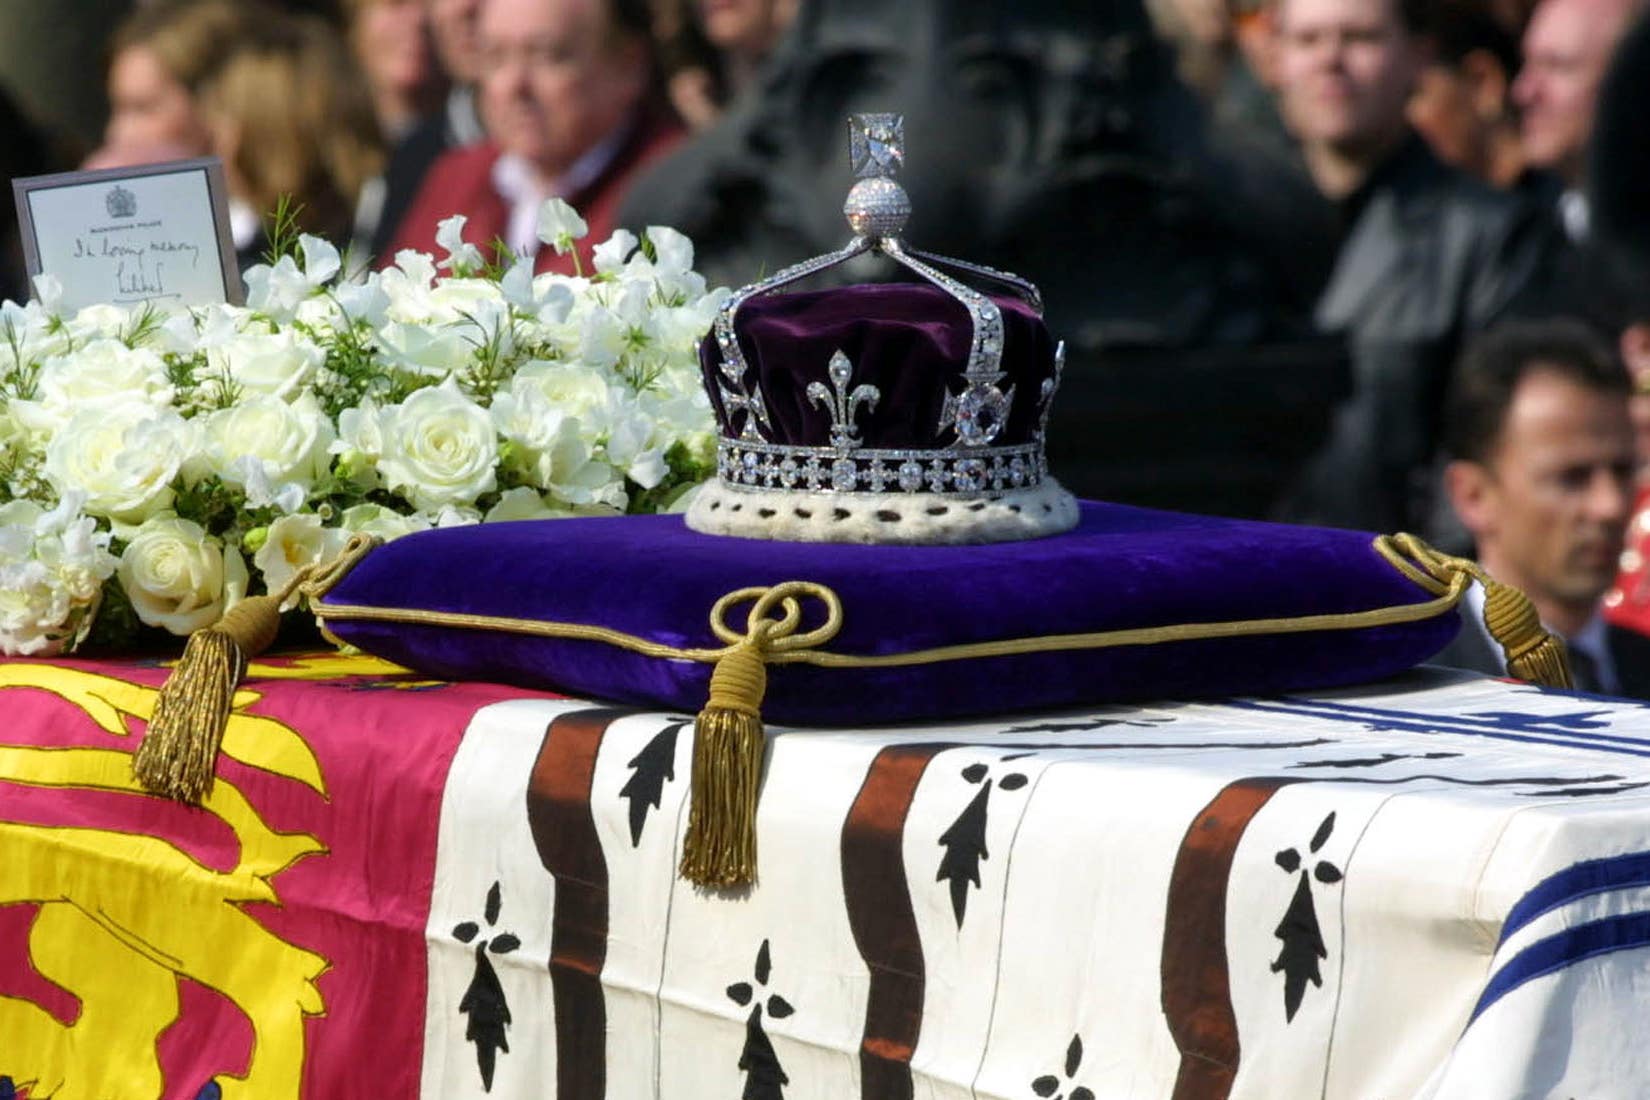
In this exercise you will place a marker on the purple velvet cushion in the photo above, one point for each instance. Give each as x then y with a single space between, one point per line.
1121 568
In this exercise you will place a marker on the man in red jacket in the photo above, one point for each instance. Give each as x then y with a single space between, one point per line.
567 95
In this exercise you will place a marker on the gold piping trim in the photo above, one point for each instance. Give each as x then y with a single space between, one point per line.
1449 594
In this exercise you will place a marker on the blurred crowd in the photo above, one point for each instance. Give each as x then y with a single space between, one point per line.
1429 174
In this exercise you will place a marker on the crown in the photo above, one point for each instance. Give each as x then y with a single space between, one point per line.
121 202
903 412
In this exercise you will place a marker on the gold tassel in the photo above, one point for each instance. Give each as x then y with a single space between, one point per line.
728 751
179 753
1533 652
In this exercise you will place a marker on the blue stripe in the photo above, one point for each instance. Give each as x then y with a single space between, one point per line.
1564 949
1581 880
1401 722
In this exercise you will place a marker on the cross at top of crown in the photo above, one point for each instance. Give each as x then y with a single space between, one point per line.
876 145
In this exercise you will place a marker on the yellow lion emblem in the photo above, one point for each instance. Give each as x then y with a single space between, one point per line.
123 917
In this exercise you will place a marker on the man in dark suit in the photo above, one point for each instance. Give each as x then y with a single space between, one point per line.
1541 475
1428 255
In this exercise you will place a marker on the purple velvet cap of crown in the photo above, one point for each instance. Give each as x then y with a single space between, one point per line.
909 340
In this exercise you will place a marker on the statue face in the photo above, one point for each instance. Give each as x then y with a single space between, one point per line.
994 106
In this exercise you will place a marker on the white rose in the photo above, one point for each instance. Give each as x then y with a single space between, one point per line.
101 370
99 322
573 390
294 542
439 448
276 364
288 443
123 457
179 578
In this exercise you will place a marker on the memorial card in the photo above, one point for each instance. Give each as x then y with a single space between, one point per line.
154 233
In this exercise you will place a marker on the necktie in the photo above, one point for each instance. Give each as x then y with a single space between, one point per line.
1584 670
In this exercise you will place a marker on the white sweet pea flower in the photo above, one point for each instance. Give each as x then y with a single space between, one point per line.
364 301
294 542
277 290
289 442
253 477
360 432
123 457
375 519
268 364
631 445
571 473
517 285
451 515
52 568
48 291
439 448
522 503
463 257
322 263
178 577
34 610
611 254
560 225
555 301
527 420
672 251
602 338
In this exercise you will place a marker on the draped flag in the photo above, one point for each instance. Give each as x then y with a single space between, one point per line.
398 888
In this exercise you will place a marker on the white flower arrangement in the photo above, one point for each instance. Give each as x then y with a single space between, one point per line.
158 465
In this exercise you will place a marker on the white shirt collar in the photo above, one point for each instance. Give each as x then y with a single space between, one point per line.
1576 215
517 183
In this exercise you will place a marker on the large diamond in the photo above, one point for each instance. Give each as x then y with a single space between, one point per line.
910 475
844 475
876 144
981 414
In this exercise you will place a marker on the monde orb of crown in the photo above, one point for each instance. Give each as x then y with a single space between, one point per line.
877 207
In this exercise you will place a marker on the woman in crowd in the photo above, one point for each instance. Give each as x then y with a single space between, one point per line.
292 119
392 44
159 59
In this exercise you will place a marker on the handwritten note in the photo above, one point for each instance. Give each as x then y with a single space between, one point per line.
125 236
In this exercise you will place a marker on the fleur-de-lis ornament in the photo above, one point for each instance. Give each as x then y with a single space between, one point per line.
843 404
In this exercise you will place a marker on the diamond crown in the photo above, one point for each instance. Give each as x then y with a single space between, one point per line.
976 407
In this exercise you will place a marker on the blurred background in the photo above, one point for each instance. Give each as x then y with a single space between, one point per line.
1265 228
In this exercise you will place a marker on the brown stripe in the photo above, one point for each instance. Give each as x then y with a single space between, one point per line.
564 830
883 920
1197 994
